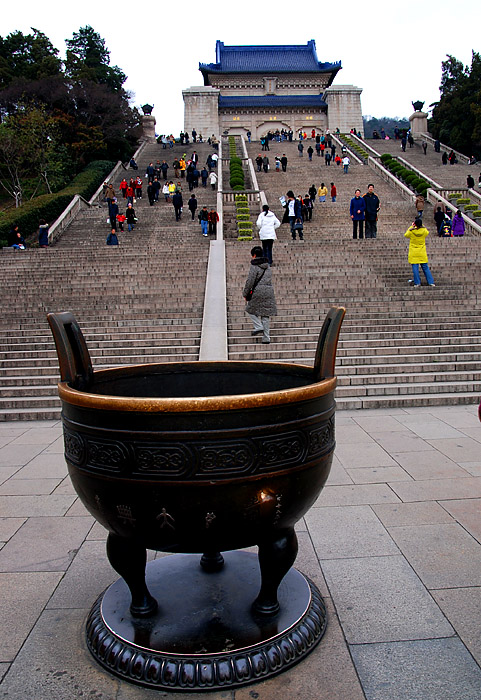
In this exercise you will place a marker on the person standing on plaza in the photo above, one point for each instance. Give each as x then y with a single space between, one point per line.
470 181
333 192
419 204
417 253
372 208
322 192
213 220
178 204
259 294
458 224
312 193
192 204
310 151
267 223
357 209
213 180
203 217
130 217
300 148
346 162
293 215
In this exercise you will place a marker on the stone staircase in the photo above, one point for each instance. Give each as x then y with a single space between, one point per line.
139 302
398 345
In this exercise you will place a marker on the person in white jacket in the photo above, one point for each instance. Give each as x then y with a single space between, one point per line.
267 222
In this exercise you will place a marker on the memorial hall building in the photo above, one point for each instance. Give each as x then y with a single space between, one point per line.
264 88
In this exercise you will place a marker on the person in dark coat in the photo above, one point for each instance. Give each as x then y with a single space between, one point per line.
261 304
293 214
15 238
470 181
43 234
284 162
192 204
439 219
372 207
113 211
357 210
130 217
178 204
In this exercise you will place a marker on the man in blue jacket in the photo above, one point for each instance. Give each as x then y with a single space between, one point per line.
372 207
357 210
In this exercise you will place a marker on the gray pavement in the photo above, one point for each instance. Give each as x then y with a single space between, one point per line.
393 542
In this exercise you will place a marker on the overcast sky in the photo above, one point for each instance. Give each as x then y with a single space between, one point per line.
391 50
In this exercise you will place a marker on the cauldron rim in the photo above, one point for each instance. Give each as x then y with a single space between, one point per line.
107 402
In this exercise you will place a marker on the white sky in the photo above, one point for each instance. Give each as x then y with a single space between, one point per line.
392 51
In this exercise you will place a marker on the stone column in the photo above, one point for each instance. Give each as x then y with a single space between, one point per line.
419 123
201 110
148 127
344 108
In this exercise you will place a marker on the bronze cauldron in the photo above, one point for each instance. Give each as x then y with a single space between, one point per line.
200 457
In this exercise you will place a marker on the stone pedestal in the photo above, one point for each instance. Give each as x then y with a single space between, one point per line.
344 108
148 127
419 123
201 110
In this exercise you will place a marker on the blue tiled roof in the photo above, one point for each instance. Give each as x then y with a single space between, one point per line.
272 101
266 59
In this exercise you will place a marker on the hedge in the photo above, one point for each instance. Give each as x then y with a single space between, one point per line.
50 206
471 207
463 200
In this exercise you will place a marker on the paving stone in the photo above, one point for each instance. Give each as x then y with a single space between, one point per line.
7 472
429 465
338 475
54 663
76 590
357 494
401 442
38 436
77 509
57 446
380 599
474 468
9 526
462 607
377 475
44 544
432 428
379 422
24 596
448 558
418 670
33 506
65 487
347 434
45 465
18 455
459 449
438 489
307 562
97 532
467 513
28 487
458 419
391 514
357 455
3 670
348 531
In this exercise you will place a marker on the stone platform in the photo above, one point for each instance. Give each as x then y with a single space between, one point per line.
394 544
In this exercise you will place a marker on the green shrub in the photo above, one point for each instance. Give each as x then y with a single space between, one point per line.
244 225
463 200
477 213
386 158
243 210
470 207
410 177
50 206
455 195
243 217
238 187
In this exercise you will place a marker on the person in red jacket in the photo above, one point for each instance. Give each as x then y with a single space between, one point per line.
130 194
333 192
213 219
123 187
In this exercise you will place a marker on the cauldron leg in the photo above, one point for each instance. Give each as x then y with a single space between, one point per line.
129 558
212 561
276 557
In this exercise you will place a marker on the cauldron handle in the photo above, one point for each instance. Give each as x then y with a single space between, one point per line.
325 359
73 355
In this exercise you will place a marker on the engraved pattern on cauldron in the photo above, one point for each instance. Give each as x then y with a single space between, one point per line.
226 458
74 447
162 460
106 455
321 439
280 451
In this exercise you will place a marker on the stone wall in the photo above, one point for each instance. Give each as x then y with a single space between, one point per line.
201 111
344 108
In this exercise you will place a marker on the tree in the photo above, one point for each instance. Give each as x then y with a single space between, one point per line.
89 59
27 56
456 119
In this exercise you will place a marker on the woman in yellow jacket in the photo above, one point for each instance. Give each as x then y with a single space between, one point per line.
322 192
417 253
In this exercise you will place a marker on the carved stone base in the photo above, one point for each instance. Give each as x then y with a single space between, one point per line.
205 635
